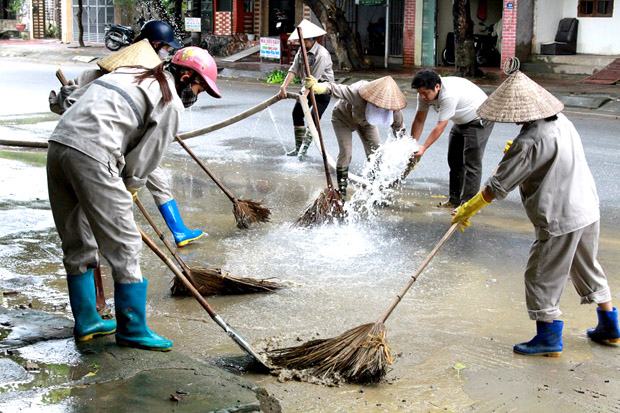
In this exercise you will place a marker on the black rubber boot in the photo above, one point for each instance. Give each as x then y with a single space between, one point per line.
342 177
300 132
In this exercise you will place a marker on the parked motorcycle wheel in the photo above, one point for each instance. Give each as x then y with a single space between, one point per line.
447 60
111 43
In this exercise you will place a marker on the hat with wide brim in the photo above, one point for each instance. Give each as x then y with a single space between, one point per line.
308 30
519 99
384 93
138 54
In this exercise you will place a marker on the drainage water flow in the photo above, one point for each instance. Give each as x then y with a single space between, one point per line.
383 173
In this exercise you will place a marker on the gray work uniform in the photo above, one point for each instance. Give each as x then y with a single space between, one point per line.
157 183
458 101
349 115
320 62
558 192
109 141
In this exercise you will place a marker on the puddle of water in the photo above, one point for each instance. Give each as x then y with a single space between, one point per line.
59 352
20 181
467 309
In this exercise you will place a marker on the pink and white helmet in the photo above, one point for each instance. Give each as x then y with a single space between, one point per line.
200 61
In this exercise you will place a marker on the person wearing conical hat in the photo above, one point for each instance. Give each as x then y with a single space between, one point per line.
547 162
320 62
101 152
455 99
154 45
361 107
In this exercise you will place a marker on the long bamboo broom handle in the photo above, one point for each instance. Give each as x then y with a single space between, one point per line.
241 342
24 144
160 234
304 55
61 77
191 153
415 276
239 117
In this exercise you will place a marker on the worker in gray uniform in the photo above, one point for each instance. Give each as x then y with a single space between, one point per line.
101 152
361 107
320 62
547 162
161 38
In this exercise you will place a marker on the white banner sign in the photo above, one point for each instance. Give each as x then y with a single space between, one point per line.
192 24
270 48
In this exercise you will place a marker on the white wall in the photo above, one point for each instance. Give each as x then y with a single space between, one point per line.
596 35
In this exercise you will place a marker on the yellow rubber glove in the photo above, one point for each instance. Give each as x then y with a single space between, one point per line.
470 208
507 146
134 193
312 84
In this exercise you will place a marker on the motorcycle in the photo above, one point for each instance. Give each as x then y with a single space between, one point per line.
484 46
117 36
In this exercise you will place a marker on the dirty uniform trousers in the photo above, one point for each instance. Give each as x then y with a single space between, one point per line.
369 135
159 186
550 264
92 211
322 101
465 151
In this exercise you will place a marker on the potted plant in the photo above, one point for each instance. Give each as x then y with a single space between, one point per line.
17 6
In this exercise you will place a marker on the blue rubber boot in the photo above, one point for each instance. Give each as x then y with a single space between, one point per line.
132 331
547 342
172 216
607 331
83 300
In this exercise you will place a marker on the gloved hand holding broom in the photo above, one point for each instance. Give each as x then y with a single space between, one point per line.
470 208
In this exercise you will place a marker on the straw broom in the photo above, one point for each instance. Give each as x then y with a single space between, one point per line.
258 361
360 355
246 211
328 206
208 281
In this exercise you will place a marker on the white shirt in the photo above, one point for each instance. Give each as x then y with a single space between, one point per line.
457 100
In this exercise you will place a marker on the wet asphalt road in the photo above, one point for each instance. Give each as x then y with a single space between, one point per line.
453 333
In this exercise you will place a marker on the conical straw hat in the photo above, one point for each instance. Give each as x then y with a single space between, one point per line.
308 30
519 99
384 93
137 54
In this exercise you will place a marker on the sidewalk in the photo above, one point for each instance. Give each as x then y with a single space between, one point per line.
600 99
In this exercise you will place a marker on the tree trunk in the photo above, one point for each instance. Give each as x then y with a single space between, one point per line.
80 24
346 43
178 15
464 52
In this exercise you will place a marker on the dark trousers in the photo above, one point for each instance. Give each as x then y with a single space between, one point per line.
465 151
321 103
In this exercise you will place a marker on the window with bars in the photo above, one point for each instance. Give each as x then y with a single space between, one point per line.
595 8
224 5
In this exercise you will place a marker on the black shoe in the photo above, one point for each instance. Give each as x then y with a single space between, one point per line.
447 204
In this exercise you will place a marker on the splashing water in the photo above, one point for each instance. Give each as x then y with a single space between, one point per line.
383 172
277 129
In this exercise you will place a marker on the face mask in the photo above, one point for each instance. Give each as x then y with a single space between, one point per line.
163 53
378 116
187 96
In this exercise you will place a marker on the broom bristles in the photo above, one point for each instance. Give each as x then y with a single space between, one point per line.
359 355
325 209
249 212
214 281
